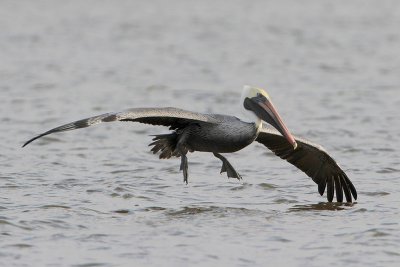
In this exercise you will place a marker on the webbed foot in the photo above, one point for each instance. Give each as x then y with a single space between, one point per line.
227 167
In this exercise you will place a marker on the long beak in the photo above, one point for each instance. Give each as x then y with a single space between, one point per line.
266 111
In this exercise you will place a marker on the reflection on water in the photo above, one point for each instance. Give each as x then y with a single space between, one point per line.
99 197
322 206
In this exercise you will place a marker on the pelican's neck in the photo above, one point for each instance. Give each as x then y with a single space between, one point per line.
250 117
258 125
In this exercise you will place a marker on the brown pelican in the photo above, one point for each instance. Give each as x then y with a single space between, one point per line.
215 133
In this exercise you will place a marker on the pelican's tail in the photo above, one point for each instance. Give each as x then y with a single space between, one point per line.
166 143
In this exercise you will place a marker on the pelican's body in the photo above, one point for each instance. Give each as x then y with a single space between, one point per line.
217 134
229 135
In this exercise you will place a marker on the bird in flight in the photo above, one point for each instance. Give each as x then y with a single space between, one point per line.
216 133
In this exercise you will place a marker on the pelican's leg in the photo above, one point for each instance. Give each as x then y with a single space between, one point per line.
184 168
182 149
227 167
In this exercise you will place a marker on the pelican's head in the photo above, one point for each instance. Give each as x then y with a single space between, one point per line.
258 103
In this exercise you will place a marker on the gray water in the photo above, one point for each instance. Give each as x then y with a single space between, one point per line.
98 197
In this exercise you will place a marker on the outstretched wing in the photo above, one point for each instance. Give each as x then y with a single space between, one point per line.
314 161
172 117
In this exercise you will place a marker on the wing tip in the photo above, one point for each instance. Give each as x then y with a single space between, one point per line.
31 140
351 186
37 137
321 188
342 183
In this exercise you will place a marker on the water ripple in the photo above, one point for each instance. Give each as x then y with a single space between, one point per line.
388 170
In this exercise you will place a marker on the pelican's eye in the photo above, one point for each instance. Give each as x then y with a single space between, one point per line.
260 97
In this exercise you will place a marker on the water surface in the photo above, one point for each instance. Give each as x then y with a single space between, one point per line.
98 197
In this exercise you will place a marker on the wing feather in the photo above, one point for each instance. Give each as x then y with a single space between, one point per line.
339 190
172 117
330 189
314 161
345 188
